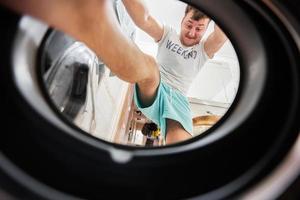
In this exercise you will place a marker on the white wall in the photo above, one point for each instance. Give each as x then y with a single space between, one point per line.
219 78
166 12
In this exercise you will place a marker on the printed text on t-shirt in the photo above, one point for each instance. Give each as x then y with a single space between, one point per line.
185 53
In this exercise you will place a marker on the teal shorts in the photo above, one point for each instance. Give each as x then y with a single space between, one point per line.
168 104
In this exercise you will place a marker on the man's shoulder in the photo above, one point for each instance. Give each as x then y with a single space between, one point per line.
200 45
167 33
170 31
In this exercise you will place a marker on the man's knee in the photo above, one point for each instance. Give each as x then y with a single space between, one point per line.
149 84
147 88
176 132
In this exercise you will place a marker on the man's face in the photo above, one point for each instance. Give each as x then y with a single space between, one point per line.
192 30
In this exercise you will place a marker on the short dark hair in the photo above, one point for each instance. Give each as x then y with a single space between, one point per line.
148 128
197 14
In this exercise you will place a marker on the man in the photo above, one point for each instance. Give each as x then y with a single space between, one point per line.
180 58
95 23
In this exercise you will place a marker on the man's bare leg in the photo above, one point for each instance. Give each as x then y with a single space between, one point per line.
94 22
175 132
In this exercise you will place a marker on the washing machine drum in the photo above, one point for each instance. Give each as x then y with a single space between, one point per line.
67 79
42 156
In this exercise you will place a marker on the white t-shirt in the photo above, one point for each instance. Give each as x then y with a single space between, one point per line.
179 65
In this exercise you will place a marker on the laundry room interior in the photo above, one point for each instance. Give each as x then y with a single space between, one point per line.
107 110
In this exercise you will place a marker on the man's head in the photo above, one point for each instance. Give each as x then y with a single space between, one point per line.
193 26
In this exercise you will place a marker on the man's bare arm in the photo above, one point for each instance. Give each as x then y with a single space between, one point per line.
94 23
214 41
140 15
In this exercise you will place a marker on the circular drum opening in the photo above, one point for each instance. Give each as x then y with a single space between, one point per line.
84 90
